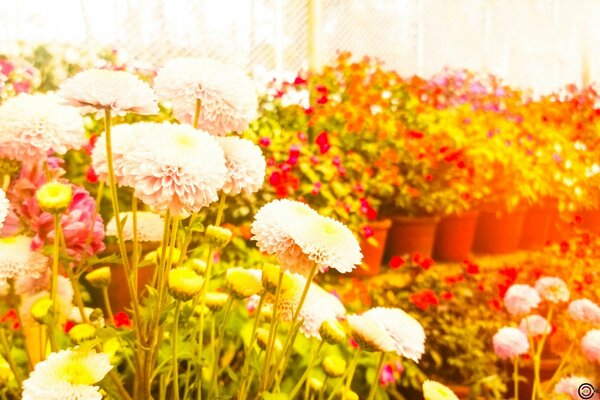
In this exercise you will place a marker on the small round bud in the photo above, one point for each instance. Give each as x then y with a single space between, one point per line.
332 331
5 372
217 236
197 265
199 309
10 167
270 278
96 315
315 384
82 333
40 309
243 282
184 283
347 394
262 339
334 366
154 256
54 197
216 300
99 278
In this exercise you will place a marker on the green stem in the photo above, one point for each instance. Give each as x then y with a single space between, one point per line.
324 388
54 282
174 347
351 373
215 370
375 383
245 368
197 113
309 367
272 333
109 312
11 363
538 357
15 304
348 371
516 378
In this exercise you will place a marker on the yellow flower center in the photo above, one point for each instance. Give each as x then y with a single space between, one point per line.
76 374
185 141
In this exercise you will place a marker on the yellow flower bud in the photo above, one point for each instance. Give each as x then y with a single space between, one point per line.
262 339
82 333
270 278
436 391
184 283
218 236
99 278
154 256
243 282
216 300
5 372
9 167
197 265
332 331
315 384
40 309
54 197
199 309
347 394
334 366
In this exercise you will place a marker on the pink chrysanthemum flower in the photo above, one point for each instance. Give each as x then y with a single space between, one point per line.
4 208
245 166
119 91
535 325
34 282
585 310
34 126
228 97
510 343
552 289
569 385
150 226
521 299
176 167
590 345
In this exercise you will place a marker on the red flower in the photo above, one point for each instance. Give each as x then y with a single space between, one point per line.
368 231
121 319
299 81
427 263
322 140
321 89
316 188
472 268
322 100
495 304
396 262
91 176
11 318
415 134
69 325
264 141
447 295
424 299
309 110
564 247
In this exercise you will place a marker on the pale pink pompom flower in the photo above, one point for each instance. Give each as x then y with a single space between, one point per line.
245 166
510 343
584 310
590 345
552 289
535 325
570 385
521 299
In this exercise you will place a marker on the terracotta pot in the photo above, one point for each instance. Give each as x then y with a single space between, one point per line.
498 232
560 226
590 220
373 255
536 226
547 369
118 290
411 235
454 236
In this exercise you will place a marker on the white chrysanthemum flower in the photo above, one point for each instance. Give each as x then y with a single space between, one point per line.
510 343
228 97
273 229
176 167
32 126
67 375
407 333
584 310
590 345
370 334
246 166
521 299
569 385
329 244
150 226
119 91
4 208
535 325
64 296
16 257
124 139
318 307
552 289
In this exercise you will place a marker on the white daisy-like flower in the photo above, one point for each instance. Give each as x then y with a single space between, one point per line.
569 385
535 325
228 97
176 167
124 138
150 226
521 299
552 289
584 310
67 375
246 166
4 208
100 89
590 345
17 258
274 227
407 333
369 334
33 126
318 307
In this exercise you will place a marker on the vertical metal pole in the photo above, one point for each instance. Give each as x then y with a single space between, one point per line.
314 35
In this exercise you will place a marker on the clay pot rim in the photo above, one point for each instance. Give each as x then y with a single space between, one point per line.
421 218
468 214
380 224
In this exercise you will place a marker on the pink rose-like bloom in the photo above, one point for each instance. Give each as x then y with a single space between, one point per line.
584 310
590 345
569 385
75 224
535 325
387 375
510 343
552 289
521 299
